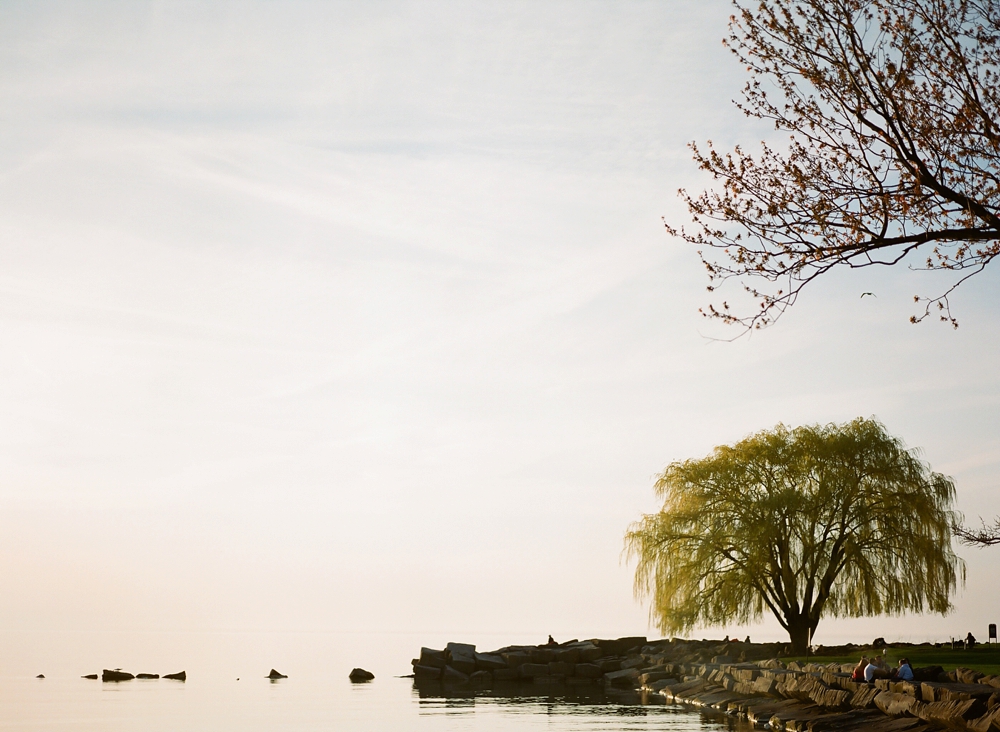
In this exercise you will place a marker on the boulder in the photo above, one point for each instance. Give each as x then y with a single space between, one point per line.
276 675
927 673
452 675
898 705
505 674
953 713
587 671
588 652
182 676
619 646
765 685
531 670
722 659
989 722
89 676
481 678
560 668
116 675
608 664
40 676
463 649
931 691
431 657
489 662
542 655
147 676
567 655
359 675
967 675
831 698
426 673
864 698
461 657
516 659
627 678
649 677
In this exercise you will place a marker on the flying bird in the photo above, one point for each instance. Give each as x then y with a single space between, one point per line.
868 293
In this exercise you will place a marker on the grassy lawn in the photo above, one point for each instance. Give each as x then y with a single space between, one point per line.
981 658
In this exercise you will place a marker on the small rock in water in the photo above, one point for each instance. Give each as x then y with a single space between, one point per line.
147 676
359 675
275 675
179 676
40 676
89 676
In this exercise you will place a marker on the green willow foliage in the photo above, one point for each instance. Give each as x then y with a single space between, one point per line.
840 520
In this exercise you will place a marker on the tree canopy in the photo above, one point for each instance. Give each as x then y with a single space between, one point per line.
837 520
891 107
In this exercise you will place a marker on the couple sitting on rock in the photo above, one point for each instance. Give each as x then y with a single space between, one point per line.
877 668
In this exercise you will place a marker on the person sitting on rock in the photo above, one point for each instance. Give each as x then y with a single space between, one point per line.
552 642
904 672
876 670
970 640
859 671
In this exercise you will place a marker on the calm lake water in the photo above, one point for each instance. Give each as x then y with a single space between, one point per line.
226 688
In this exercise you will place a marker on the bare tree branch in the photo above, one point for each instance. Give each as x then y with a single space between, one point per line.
892 109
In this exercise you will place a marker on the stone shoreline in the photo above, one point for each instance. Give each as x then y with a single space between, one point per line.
741 680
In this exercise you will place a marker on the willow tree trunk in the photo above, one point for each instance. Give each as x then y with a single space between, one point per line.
800 631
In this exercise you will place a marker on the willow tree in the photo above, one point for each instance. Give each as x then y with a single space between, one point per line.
837 520
889 146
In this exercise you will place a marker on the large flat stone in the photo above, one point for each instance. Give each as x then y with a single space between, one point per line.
898 705
489 662
531 670
431 657
426 673
587 671
954 714
935 691
626 678
453 675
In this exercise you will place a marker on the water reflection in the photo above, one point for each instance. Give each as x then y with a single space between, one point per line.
564 707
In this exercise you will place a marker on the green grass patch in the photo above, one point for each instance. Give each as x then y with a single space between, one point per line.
984 658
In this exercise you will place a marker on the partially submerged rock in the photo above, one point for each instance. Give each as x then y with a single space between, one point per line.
147 676
89 676
40 676
276 675
179 676
116 675
359 675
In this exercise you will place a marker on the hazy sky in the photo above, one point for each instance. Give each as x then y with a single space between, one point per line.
362 316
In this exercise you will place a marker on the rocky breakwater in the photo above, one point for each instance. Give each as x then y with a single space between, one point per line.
596 661
798 697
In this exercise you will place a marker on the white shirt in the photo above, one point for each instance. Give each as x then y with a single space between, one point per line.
870 670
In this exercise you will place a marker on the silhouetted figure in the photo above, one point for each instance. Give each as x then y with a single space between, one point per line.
747 640
552 642
970 640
